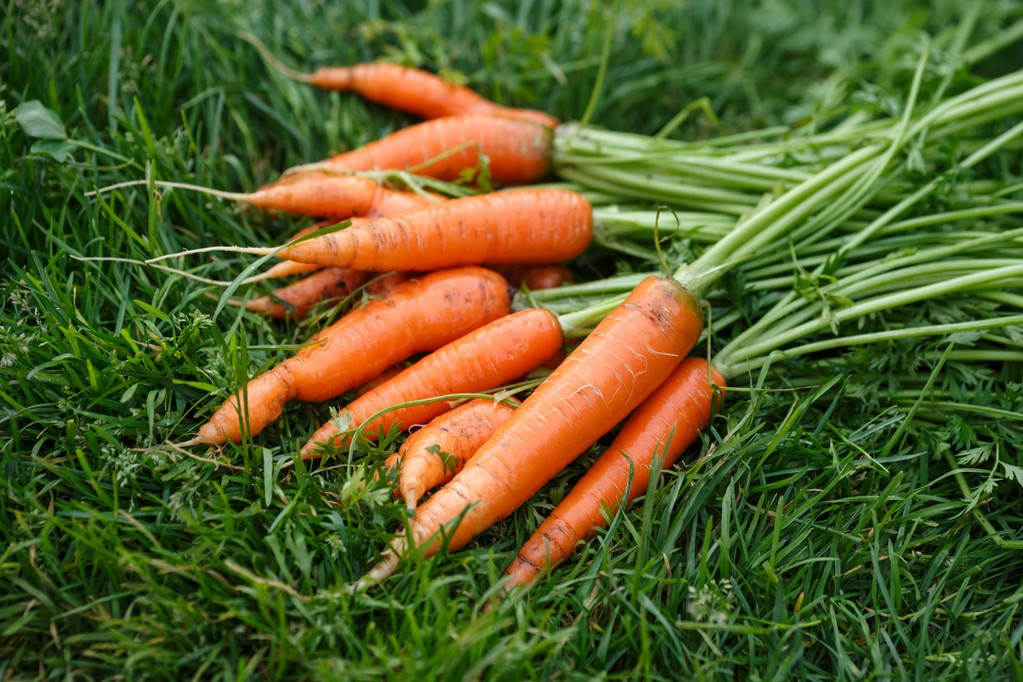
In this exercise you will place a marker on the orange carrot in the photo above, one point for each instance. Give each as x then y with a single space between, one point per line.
290 267
521 227
322 193
285 268
333 195
518 227
486 358
432 455
415 91
380 286
527 226
416 316
295 300
386 375
403 88
536 277
663 426
517 152
377 287
302 295
614 369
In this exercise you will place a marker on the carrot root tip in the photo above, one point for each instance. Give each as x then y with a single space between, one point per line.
384 569
411 496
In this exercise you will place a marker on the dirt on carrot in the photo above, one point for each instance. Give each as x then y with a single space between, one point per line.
432 455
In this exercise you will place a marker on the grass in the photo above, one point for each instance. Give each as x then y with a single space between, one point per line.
839 533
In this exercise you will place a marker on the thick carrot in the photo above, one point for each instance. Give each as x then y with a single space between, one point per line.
486 358
527 226
665 424
520 227
399 87
615 368
416 316
296 299
432 455
517 152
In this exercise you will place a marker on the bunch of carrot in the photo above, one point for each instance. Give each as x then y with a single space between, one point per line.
839 216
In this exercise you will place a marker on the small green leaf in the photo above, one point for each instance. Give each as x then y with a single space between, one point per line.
1012 472
58 150
38 121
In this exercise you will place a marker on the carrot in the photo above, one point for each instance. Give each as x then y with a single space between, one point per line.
331 195
505 228
296 299
381 286
376 287
321 193
285 268
435 453
400 87
536 277
527 226
384 376
416 92
614 369
662 427
289 267
486 358
517 152
416 316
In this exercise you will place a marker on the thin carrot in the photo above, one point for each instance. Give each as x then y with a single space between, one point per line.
320 193
381 286
432 455
295 300
662 427
518 152
384 376
403 88
416 92
285 268
486 358
416 316
614 369
376 287
289 267
536 277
